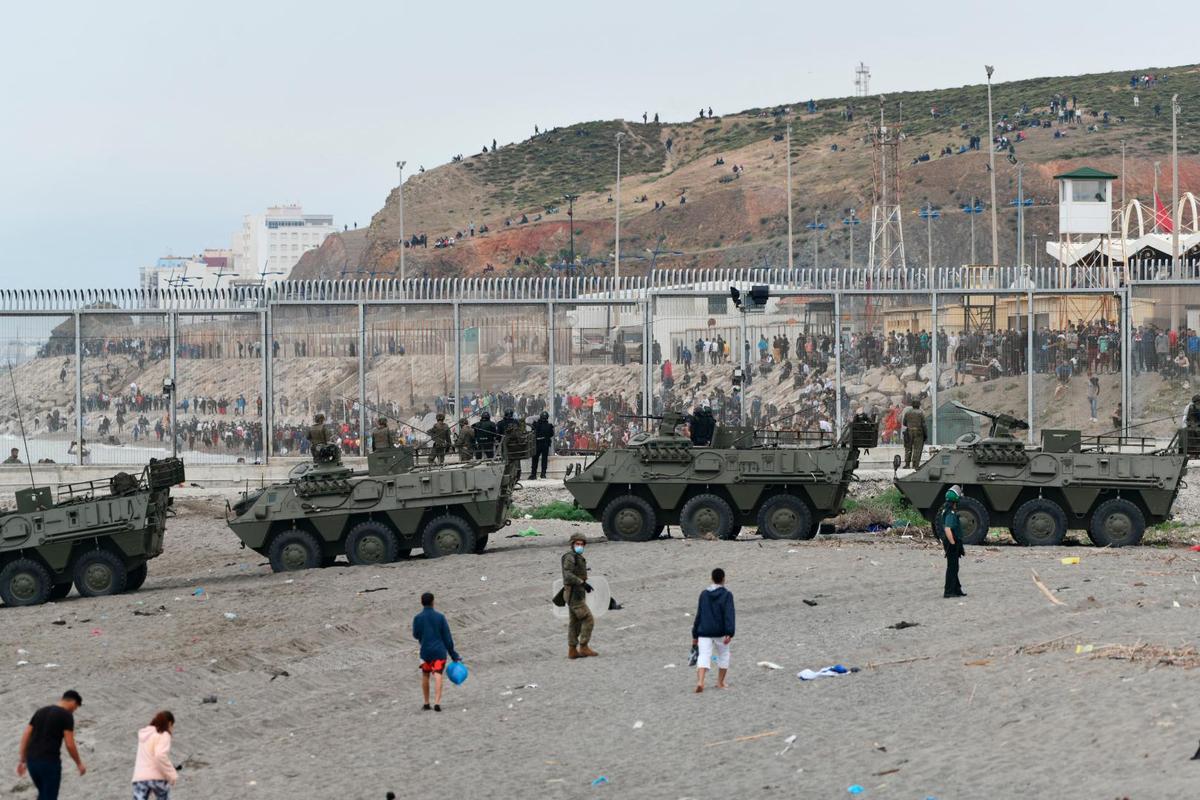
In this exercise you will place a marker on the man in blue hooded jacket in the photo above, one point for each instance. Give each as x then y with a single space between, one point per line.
433 632
713 630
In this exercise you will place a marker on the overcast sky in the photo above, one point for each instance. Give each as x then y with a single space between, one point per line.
138 129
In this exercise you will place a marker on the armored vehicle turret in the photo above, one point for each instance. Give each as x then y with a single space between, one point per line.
1110 486
97 535
782 481
325 509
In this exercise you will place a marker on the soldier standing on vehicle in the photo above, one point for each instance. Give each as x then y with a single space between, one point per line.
506 423
485 436
914 435
318 435
543 436
439 435
466 440
575 589
381 437
950 532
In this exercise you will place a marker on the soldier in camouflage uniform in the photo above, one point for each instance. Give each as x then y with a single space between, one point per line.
318 435
381 437
575 589
439 435
466 441
515 445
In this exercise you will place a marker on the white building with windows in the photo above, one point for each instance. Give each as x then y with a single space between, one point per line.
270 244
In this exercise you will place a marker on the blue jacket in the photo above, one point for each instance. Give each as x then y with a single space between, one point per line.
714 614
432 631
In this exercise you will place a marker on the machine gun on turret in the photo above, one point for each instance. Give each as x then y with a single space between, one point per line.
1002 424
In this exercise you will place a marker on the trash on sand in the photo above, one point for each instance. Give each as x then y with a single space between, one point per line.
210 700
290 580
376 589
855 789
1197 756
199 592
1175 604
1084 648
1041 586
283 673
483 577
600 781
787 744
638 725
613 605
891 771
529 532
230 615
827 672
668 666
97 632
811 602
22 663
627 627
769 665
59 622
52 666
21 651
901 625
1195 548
979 662
1071 560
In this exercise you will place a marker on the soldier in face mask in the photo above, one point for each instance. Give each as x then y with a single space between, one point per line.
575 589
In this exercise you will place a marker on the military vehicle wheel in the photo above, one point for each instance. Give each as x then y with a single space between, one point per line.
706 516
785 516
60 591
734 532
294 549
99 573
137 576
25 582
974 520
481 543
447 535
629 518
1039 522
1117 523
371 542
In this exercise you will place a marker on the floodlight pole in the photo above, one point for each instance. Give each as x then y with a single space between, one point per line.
789 194
992 168
400 169
1176 216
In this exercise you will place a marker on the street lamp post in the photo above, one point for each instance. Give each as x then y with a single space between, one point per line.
1176 217
789 194
992 168
617 250
400 169
850 222
571 198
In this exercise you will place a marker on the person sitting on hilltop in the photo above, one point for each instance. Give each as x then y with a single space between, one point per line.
524 219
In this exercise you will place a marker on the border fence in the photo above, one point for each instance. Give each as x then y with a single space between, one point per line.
247 367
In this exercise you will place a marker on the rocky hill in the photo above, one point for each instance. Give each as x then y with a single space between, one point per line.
708 215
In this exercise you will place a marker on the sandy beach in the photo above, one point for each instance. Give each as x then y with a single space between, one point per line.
317 690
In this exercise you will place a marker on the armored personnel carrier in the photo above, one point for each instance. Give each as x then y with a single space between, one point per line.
98 535
1110 486
775 480
326 509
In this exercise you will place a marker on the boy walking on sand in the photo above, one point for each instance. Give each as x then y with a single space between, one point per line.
45 734
713 630
433 632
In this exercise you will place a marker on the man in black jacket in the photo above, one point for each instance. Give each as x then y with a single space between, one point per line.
485 436
713 629
543 435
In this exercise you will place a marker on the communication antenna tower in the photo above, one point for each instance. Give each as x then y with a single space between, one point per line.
887 227
862 80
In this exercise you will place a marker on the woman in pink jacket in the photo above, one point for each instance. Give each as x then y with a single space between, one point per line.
153 772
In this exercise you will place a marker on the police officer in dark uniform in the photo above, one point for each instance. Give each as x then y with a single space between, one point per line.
950 532
318 435
1193 427
701 426
381 437
485 436
543 437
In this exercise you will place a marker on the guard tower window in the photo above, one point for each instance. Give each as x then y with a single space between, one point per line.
1088 191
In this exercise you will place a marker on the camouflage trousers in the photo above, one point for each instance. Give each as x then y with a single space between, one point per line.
580 630
439 455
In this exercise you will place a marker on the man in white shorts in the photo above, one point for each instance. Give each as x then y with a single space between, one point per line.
713 630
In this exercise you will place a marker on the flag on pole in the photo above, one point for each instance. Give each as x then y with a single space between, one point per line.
1162 217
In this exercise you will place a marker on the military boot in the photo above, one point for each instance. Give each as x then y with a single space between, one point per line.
586 652
572 652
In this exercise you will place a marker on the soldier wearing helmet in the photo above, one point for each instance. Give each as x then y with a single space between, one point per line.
439 436
485 436
950 532
466 440
543 437
318 435
381 437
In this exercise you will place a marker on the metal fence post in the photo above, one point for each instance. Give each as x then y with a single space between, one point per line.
837 360
459 407
550 385
362 379
933 324
648 355
1029 404
173 339
78 388
1126 358
268 388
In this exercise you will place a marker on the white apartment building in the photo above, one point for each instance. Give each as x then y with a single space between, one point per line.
210 270
270 244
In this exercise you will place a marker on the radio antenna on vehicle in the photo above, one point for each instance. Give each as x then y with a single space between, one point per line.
21 421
